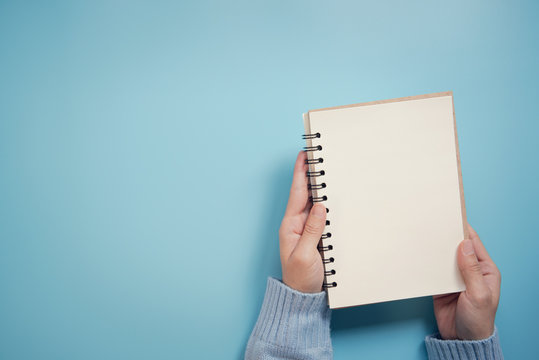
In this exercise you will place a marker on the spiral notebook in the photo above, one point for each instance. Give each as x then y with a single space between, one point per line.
389 175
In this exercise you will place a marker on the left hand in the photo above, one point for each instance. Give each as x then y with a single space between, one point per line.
299 235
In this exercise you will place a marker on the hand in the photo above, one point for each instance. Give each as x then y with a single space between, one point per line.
300 232
469 315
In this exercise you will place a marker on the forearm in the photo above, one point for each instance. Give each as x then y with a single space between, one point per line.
487 349
291 325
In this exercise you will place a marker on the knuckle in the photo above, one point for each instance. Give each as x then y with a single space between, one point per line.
498 276
475 267
311 228
302 259
282 230
482 299
286 226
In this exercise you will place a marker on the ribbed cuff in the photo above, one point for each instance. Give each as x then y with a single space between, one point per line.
486 349
293 320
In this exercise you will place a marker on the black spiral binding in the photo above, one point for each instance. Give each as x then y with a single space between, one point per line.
316 186
315 161
315 199
312 174
310 136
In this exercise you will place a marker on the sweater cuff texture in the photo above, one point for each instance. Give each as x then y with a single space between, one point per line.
488 348
292 319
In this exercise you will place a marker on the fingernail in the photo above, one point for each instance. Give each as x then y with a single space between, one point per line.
467 247
319 211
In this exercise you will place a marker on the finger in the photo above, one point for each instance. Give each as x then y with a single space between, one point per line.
441 296
441 300
480 250
288 238
299 195
314 227
472 232
470 269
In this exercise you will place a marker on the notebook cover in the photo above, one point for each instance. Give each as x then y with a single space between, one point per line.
395 195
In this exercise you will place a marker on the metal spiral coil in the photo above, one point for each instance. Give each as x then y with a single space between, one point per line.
314 161
311 174
312 148
329 285
310 136
325 248
316 186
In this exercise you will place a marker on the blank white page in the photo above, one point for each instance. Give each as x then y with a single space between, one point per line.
394 194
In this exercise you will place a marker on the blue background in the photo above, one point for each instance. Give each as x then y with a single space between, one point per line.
146 152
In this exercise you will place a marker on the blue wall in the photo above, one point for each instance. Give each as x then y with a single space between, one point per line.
146 151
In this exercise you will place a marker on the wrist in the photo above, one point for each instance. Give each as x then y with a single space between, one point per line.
477 328
307 284
479 334
302 288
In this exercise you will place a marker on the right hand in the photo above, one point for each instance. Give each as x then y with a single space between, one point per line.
469 315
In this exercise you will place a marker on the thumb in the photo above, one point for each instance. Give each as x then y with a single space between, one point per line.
469 268
314 227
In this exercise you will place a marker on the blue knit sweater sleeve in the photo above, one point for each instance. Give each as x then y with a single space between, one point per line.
291 325
486 349
295 325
